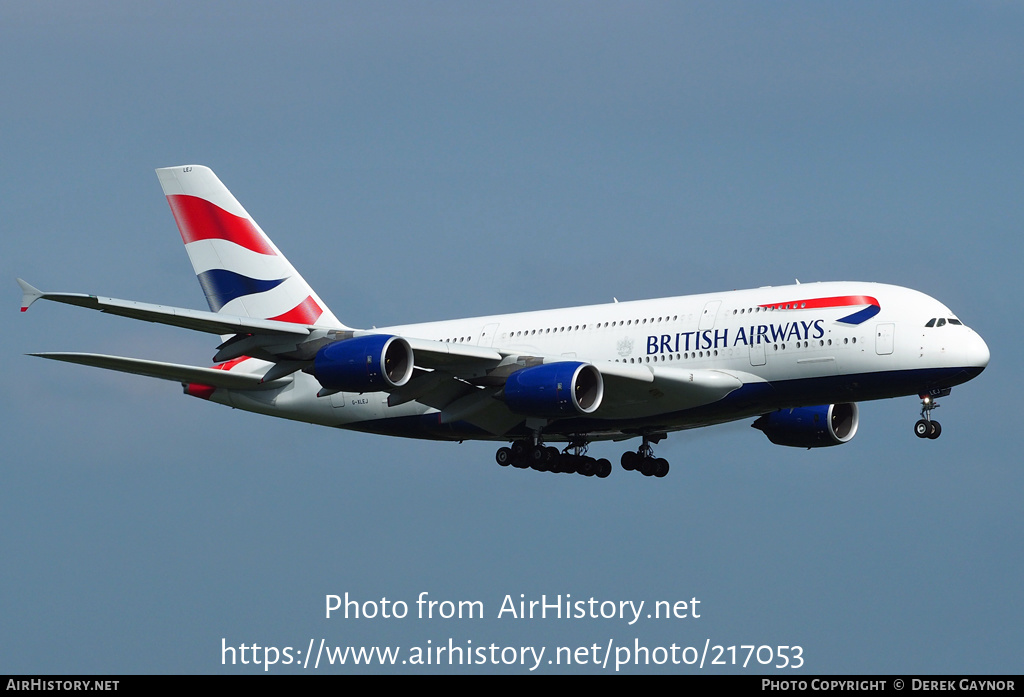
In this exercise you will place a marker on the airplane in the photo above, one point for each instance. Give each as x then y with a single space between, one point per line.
796 358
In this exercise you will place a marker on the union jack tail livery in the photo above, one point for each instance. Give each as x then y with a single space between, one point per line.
240 270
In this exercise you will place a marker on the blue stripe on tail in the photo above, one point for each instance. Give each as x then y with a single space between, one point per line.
222 286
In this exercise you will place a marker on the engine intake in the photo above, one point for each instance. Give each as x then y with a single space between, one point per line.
811 427
555 389
364 364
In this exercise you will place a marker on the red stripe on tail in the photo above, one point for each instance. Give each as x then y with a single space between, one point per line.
306 312
198 219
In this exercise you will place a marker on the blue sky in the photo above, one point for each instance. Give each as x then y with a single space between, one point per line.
421 161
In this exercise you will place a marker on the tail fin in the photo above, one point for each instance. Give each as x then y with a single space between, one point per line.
241 271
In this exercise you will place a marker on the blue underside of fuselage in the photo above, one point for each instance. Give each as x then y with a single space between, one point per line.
750 400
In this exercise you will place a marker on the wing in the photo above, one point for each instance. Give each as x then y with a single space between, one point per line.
463 382
472 389
633 391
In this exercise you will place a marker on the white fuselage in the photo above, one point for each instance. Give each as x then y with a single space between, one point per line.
790 346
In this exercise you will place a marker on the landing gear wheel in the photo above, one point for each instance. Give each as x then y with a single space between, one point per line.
629 460
586 466
569 463
560 464
539 457
520 454
922 428
604 468
660 467
519 449
935 431
647 466
504 456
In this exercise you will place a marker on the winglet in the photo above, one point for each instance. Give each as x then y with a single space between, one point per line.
29 294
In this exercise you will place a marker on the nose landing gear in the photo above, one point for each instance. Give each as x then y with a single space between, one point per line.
925 427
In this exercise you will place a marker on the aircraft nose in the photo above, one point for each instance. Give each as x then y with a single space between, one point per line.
977 352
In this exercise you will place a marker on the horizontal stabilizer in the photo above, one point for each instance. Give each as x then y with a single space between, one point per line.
198 320
158 369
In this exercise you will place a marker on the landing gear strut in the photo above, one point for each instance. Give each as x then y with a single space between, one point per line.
925 427
643 459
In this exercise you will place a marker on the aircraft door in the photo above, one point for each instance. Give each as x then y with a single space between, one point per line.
757 356
487 335
884 338
707 318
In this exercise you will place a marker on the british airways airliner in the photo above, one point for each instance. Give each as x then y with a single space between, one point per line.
797 359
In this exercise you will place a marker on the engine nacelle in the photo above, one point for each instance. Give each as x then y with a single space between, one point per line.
555 389
364 364
811 427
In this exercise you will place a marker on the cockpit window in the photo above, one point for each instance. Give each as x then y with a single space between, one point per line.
941 322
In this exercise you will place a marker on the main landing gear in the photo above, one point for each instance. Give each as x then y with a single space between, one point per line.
643 460
925 427
572 460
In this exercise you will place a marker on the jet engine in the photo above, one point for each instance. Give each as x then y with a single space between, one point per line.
811 427
555 389
364 364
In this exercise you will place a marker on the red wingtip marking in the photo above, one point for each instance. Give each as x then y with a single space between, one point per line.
198 219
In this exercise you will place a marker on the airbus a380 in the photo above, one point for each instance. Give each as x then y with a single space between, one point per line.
797 358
